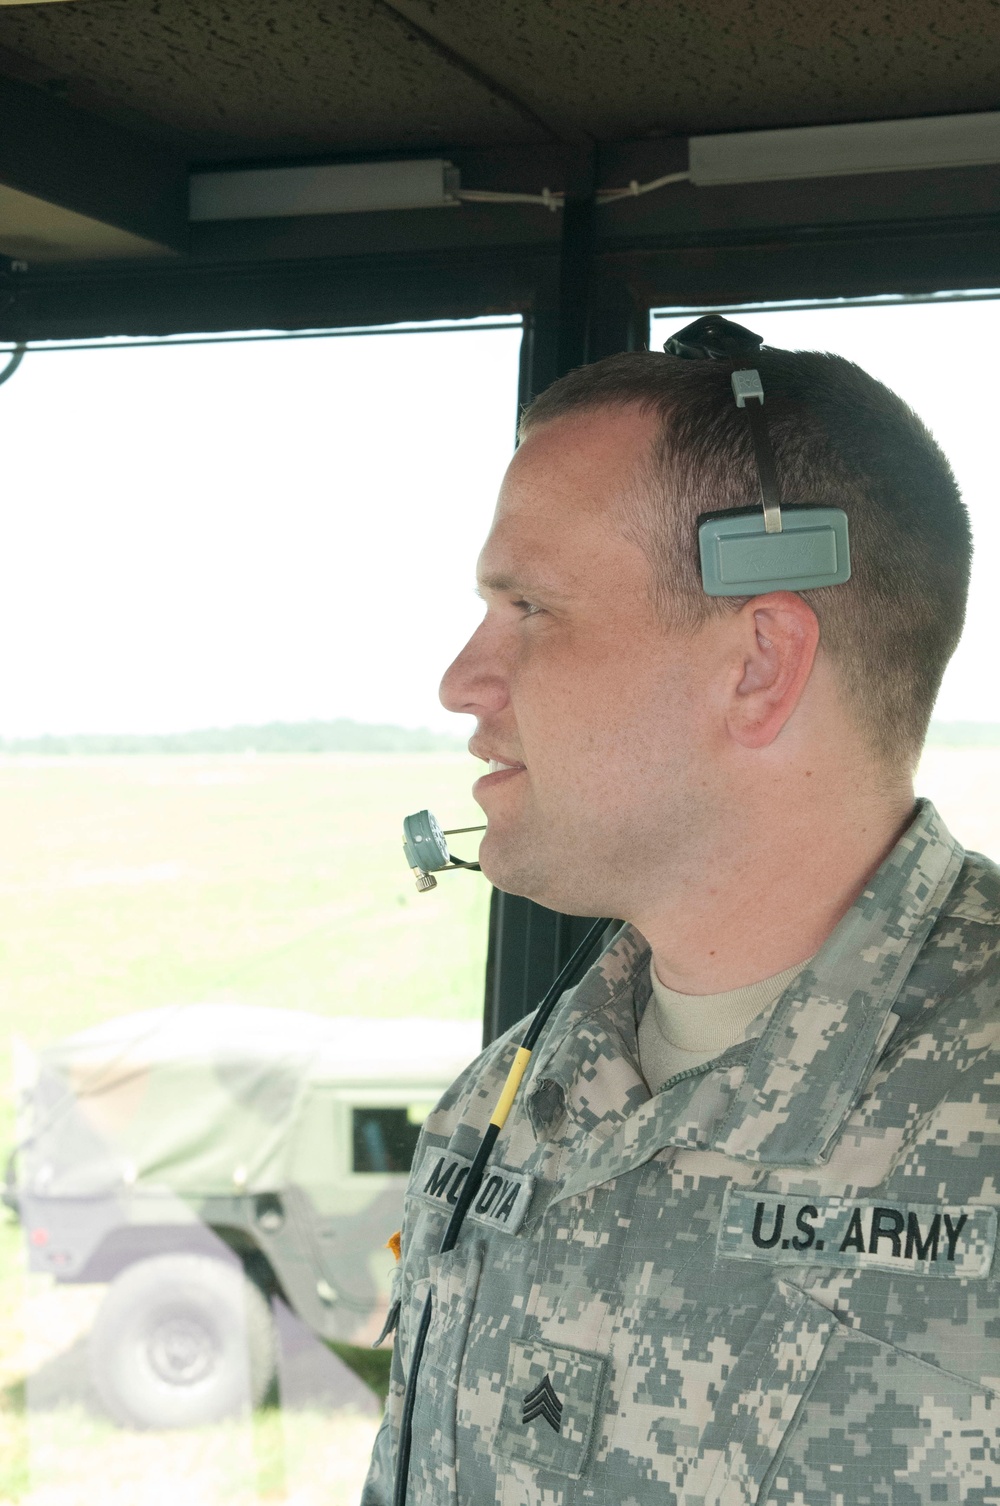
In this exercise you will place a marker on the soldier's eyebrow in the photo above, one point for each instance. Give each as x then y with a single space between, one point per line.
499 581
502 583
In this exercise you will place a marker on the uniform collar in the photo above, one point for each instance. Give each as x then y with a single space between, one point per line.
801 1078
588 1060
831 1024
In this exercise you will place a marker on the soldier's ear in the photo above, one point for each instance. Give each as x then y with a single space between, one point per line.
775 637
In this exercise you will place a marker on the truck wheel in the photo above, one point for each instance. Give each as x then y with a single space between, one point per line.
181 1340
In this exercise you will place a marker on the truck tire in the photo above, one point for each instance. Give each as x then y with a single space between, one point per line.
181 1340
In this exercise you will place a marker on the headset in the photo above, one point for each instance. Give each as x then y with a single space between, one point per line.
744 551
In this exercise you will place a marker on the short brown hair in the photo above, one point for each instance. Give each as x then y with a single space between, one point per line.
840 439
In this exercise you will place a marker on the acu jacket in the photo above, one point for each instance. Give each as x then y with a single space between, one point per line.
773 1281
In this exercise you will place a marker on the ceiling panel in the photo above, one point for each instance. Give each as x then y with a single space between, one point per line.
283 77
261 78
639 68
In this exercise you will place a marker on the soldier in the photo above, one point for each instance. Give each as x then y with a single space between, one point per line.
736 1240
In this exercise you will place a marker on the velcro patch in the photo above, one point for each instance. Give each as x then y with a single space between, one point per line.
501 1202
911 1239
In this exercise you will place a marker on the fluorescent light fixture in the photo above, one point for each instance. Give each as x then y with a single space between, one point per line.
877 146
279 192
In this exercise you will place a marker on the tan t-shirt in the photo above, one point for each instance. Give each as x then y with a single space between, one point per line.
679 1031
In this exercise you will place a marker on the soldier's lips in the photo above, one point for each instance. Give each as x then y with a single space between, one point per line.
499 773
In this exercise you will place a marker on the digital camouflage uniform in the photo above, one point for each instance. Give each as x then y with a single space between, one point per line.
772 1281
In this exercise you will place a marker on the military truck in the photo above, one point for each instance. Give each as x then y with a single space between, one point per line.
205 1159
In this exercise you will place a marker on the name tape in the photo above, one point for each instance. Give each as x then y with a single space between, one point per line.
913 1239
501 1202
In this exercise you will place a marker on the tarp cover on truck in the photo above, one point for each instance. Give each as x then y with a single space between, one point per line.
202 1099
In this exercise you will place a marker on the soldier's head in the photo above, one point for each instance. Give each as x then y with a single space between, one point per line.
644 719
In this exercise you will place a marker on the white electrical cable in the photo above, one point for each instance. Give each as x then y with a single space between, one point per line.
551 200
611 195
554 200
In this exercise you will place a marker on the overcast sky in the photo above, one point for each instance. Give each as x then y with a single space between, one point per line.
202 535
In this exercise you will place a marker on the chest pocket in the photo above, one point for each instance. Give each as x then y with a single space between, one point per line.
551 1404
762 1396
892 1427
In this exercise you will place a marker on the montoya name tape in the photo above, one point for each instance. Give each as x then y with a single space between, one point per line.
501 1202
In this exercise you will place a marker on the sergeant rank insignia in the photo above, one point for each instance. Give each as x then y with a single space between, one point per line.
543 1402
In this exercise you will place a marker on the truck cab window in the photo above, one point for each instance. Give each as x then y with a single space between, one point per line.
383 1139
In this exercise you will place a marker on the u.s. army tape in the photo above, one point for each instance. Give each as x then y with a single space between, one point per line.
915 1239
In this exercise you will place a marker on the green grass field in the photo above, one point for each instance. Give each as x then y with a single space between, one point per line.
136 881
132 882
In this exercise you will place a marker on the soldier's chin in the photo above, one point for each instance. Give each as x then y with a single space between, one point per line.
510 868
507 867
